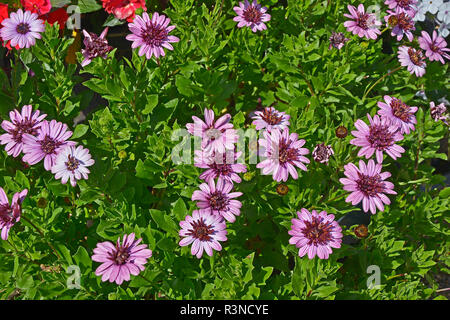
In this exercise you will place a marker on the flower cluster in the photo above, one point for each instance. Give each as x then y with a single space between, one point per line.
27 132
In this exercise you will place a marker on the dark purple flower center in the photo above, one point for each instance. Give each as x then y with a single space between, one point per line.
5 213
25 126
252 14
370 186
380 137
404 3
121 255
201 231
96 46
400 110
416 57
213 134
317 232
337 38
154 34
218 201
322 153
271 116
286 153
402 20
23 28
364 20
72 163
49 145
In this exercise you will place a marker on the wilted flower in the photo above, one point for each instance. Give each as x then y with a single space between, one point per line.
22 29
438 112
322 153
51 138
283 152
380 136
10 214
361 231
412 59
251 15
204 231
362 24
282 189
341 132
123 9
337 40
401 24
120 260
95 46
220 165
398 113
71 163
434 47
151 35
217 199
315 233
367 184
270 118
25 122
37 6
217 136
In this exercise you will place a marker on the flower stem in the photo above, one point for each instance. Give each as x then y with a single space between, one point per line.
42 235
376 82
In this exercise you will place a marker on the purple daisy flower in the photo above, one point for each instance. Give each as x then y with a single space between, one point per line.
217 136
337 40
95 46
251 15
408 6
10 214
72 162
438 112
23 122
322 153
362 24
398 113
51 138
120 260
283 152
22 28
401 23
204 231
218 200
367 184
151 35
315 233
220 165
270 118
380 136
434 47
412 59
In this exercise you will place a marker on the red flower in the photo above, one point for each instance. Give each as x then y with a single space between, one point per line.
60 15
123 9
37 6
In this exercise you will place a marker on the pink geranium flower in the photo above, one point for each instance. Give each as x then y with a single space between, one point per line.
151 35
362 24
398 113
23 122
367 184
434 47
315 234
218 200
412 59
251 15
377 137
120 260
270 118
51 138
204 231
220 165
217 136
283 153
10 214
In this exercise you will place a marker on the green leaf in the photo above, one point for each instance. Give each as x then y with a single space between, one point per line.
152 102
88 6
80 130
